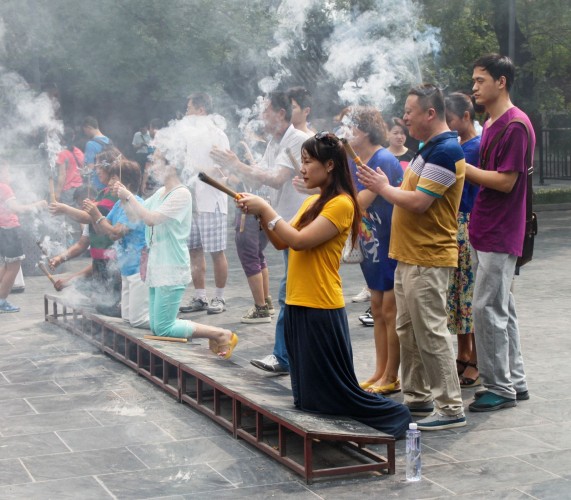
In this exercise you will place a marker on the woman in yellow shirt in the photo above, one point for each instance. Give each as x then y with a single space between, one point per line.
316 330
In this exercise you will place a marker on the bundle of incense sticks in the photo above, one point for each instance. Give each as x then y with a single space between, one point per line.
45 270
215 184
225 189
294 162
351 153
166 339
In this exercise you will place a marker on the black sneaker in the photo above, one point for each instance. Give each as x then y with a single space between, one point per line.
270 364
420 409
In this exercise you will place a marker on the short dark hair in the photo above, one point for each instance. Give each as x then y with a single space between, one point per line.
201 100
281 100
90 121
458 103
370 121
301 95
430 96
497 66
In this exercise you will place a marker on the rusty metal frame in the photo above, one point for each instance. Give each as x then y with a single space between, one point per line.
263 428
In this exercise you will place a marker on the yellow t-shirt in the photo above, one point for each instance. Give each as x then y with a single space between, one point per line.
313 275
429 239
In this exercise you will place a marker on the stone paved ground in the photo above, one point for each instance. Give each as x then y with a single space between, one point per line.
77 424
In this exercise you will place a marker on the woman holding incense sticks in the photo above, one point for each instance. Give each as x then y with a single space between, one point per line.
129 237
316 330
168 217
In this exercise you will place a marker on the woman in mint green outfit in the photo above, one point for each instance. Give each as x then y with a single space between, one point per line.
168 217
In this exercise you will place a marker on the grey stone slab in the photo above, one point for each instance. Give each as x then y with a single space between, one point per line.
99 400
15 407
558 410
281 490
493 474
44 422
549 490
190 425
32 389
550 434
104 382
86 488
253 471
31 445
498 443
85 463
556 461
486 494
157 483
191 451
379 486
113 436
12 472
48 372
13 363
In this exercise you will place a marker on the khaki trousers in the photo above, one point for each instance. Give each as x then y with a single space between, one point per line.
428 367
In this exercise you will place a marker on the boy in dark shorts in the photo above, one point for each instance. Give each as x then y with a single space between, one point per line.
11 250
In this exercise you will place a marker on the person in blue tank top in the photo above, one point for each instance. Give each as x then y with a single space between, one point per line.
368 134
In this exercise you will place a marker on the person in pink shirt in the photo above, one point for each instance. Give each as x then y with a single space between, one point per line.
11 249
68 162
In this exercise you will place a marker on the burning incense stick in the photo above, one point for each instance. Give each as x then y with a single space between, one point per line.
45 270
294 162
351 153
166 339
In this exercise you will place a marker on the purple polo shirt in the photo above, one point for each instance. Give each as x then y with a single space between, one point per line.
497 222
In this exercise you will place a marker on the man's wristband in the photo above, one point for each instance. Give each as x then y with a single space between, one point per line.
100 219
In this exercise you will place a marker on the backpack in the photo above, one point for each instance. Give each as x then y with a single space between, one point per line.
104 145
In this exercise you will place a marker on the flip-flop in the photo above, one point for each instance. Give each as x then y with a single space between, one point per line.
227 349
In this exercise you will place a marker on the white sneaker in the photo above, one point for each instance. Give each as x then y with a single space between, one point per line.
217 305
363 296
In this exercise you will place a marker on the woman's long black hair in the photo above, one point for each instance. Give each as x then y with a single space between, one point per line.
329 147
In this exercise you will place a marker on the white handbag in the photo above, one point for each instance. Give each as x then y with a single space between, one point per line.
352 254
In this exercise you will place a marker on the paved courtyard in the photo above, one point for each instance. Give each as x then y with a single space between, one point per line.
75 423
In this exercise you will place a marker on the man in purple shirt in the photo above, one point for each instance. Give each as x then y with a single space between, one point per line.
496 234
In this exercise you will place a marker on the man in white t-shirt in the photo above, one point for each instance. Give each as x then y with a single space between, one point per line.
275 170
210 209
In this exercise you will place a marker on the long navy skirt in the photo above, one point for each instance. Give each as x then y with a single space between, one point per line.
322 374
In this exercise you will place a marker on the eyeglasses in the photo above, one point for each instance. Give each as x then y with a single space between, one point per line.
328 138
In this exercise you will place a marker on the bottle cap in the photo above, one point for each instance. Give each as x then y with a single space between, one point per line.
412 426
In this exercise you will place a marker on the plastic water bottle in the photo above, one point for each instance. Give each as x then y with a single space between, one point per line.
413 461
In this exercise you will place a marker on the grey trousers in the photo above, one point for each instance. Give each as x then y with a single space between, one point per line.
495 324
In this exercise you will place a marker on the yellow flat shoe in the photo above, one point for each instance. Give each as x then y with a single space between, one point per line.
385 389
224 350
365 385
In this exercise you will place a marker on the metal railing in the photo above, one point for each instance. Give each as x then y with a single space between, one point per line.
555 154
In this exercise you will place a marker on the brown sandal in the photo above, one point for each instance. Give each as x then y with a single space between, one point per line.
463 364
